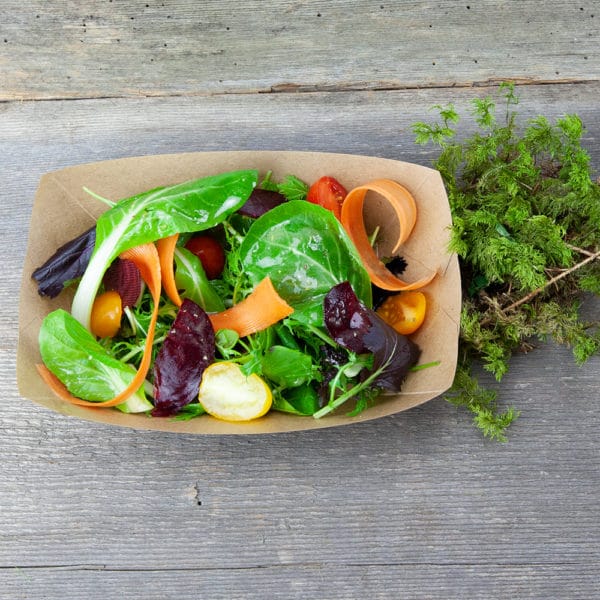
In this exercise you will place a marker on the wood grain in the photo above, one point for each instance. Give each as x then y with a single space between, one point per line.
67 49
416 505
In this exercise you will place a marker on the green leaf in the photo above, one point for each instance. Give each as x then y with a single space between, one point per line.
189 412
193 283
302 401
190 206
87 370
287 367
293 188
305 251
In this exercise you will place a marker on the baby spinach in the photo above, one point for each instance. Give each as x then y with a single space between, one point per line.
305 251
88 371
190 206
287 367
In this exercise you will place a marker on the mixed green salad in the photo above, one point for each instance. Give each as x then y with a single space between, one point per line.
230 294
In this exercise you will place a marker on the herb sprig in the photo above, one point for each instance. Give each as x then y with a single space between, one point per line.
526 228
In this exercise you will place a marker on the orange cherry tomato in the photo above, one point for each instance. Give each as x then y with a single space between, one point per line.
107 311
210 253
405 312
328 193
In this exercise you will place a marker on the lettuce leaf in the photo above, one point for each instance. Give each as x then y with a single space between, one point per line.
87 370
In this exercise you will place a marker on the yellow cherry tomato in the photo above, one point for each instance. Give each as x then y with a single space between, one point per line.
107 311
405 312
228 394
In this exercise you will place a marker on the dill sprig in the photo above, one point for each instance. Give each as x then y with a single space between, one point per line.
526 229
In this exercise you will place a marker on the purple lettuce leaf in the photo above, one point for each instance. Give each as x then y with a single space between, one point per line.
359 329
260 202
69 262
391 350
187 350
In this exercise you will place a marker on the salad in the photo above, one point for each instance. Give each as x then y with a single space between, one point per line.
233 295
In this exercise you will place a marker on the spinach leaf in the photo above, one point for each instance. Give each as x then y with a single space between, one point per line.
302 400
305 251
88 371
190 206
287 367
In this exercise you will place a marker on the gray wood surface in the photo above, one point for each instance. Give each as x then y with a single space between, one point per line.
416 505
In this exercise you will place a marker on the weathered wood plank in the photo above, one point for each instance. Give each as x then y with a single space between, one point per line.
94 48
306 582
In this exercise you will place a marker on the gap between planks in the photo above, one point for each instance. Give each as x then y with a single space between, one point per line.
308 565
304 88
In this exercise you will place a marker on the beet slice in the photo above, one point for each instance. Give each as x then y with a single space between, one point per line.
187 350
124 277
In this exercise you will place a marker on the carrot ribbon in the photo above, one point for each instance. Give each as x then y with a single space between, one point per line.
166 255
405 209
257 311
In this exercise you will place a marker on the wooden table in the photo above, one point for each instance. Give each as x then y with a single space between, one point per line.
416 505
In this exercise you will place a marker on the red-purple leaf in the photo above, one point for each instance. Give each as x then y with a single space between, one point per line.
187 350
66 264
359 329
391 350
346 318
260 202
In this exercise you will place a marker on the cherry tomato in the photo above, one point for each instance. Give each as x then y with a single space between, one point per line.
328 193
405 311
210 253
107 311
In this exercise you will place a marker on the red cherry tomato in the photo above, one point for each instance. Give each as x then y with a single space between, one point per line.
210 253
328 193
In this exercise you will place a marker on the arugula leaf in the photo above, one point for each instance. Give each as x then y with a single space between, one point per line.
305 251
192 280
302 400
287 367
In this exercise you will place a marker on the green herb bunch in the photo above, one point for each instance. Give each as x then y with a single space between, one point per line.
526 229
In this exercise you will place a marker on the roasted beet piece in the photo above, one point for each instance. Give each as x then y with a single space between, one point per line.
187 350
124 277
260 202
67 263
346 318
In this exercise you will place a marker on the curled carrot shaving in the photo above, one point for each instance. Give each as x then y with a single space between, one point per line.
403 204
262 308
166 252
146 259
